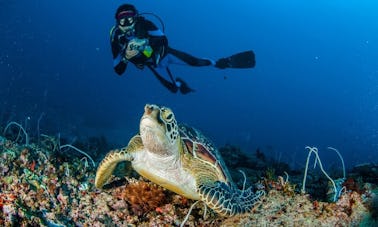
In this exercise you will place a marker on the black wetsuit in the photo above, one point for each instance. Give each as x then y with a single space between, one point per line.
161 57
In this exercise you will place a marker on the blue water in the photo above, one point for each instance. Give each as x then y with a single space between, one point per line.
315 82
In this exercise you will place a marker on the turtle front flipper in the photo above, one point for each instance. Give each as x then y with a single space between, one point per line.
227 200
109 163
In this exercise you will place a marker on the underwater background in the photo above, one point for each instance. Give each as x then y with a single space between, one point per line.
315 82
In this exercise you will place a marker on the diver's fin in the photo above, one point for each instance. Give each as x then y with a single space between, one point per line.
180 83
241 60
170 85
184 88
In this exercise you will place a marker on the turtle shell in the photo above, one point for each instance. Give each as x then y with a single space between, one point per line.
201 147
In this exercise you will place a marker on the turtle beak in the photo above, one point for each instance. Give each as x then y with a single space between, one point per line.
153 112
148 108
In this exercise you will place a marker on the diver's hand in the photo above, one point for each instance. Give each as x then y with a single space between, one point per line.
135 46
132 50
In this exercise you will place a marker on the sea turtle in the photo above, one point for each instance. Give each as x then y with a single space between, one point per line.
180 159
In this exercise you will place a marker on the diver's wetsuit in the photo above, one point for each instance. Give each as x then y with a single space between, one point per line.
162 55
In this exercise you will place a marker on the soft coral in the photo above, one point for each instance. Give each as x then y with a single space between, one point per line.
142 196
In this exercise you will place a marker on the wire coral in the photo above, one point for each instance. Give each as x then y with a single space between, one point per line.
142 196
78 150
20 129
336 185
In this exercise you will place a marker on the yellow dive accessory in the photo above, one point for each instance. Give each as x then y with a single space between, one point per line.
148 51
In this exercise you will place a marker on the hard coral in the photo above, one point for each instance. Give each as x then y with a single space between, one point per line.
142 196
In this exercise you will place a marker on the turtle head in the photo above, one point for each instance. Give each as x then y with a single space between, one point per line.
159 130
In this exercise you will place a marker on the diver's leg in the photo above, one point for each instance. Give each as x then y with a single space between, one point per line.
162 68
189 59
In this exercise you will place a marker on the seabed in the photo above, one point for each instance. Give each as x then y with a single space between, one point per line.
42 186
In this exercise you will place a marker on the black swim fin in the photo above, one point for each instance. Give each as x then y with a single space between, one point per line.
184 88
241 60
170 85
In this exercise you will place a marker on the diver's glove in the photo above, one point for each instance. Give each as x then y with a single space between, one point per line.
183 86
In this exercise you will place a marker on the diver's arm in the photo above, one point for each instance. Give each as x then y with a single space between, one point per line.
120 64
118 51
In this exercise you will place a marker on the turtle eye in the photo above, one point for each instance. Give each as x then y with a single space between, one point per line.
169 117
167 114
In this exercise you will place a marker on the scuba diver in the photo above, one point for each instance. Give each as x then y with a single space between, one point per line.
139 41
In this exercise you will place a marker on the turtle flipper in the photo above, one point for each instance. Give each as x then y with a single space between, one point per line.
109 163
227 200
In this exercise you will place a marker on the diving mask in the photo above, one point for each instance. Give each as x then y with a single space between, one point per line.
126 22
126 18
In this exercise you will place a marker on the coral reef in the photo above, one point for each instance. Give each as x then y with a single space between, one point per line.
279 209
42 187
